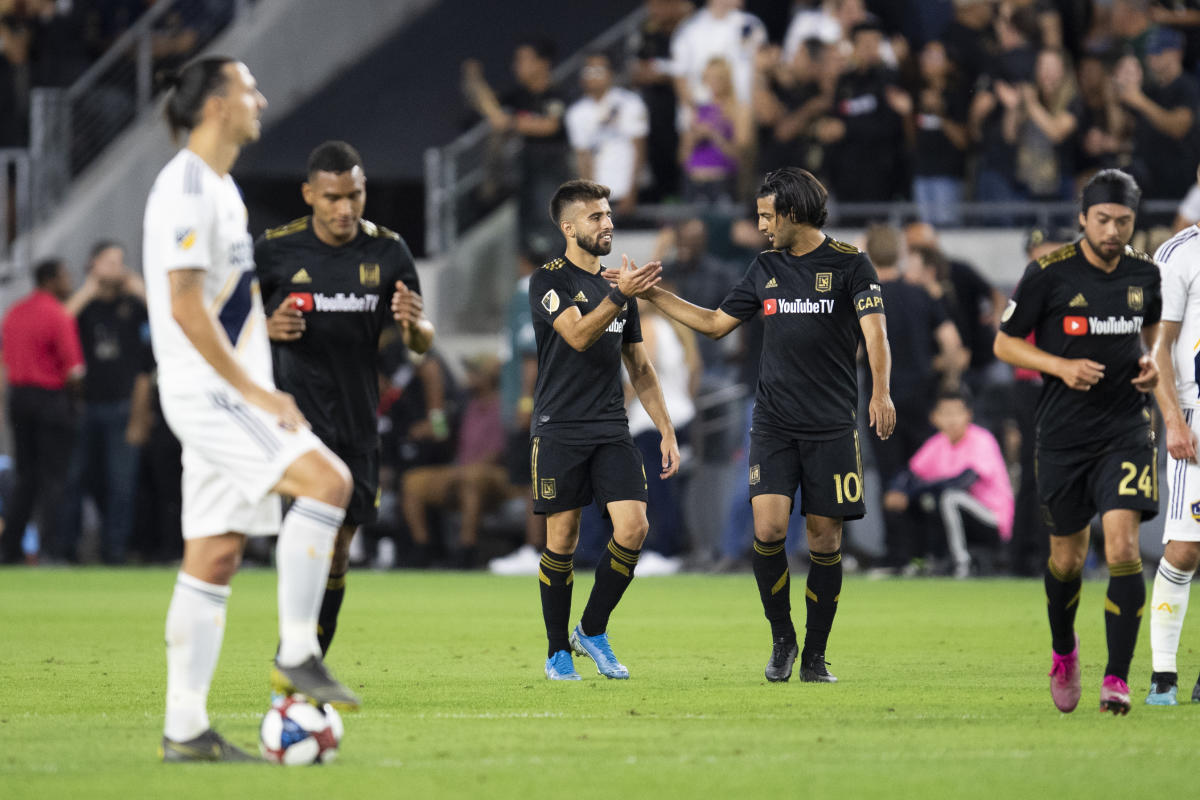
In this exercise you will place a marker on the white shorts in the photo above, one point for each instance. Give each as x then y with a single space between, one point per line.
233 455
1183 494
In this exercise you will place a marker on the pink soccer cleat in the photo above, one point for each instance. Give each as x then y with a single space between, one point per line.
1114 695
1064 680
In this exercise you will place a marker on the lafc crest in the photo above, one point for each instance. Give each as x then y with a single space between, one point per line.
368 275
1134 296
824 281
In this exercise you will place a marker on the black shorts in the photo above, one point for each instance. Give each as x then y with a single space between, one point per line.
1075 485
364 503
567 476
829 473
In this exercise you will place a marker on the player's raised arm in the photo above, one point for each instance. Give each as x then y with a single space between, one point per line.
644 381
581 331
408 309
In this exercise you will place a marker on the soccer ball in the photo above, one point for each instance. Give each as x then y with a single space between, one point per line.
294 732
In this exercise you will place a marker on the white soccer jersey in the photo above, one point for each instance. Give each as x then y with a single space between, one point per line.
607 128
195 219
736 37
1179 260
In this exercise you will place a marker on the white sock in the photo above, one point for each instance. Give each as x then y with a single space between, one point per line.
302 557
1168 606
195 629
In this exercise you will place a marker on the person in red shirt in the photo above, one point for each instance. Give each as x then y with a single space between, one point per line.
44 363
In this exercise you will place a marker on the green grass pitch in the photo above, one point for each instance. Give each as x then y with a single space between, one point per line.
943 694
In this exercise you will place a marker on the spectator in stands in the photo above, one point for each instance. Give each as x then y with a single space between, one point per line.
940 146
714 145
995 113
534 112
517 379
913 335
607 128
788 97
651 74
969 39
476 480
1188 212
1183 16
700 277
1164 107
829 22
673 351
869 128
1106 129
956 483
59 55
719 30
976 307
16 43
1132 26
1045 137
115 336
44 365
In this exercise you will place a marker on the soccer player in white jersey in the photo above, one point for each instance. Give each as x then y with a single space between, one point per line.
1177 395
243 441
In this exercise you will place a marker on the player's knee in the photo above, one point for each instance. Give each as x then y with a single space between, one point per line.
1068 562
223 565
766 530
335 483
632 533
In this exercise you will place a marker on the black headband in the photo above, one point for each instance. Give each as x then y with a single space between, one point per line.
1110 192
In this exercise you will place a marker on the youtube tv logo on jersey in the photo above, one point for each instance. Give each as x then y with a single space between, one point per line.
1075 326
302 301
770 306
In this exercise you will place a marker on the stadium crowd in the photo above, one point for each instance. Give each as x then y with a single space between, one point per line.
933 102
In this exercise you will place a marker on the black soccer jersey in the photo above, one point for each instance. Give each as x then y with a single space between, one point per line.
578 396
1076 310
345 293
807 380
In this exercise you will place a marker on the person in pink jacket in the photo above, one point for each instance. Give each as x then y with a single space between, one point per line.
958 476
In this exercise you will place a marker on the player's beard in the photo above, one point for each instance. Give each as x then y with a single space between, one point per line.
1106 251
593 245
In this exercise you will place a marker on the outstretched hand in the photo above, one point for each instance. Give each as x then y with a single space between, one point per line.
632 280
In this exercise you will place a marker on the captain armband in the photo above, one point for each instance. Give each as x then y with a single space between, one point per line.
869 301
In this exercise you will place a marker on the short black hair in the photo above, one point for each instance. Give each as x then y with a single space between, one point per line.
575 191
799 196
103 244
960 393
542 46
333 156
46 271
188 89
1110 186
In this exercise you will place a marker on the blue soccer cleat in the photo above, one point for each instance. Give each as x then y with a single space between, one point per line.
560 667
1164 689
600 651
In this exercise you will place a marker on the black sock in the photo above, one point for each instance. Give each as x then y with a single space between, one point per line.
774 587
614 573
331 606
556 576
821 596
1062 601
1123 606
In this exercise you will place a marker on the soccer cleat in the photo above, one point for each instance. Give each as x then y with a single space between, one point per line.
560 667
1164 690
812 669
312 678
1196 692
1064 679
600 651
1114 695
208 746
783 655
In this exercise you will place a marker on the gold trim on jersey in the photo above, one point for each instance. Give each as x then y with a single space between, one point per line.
533 455
843 247
1055 256
295 226
557 263
371 229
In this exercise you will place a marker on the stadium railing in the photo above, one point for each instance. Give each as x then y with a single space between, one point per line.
75 124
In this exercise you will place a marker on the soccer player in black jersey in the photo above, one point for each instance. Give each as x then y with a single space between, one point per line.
332 284
1093 307
819 298
580 447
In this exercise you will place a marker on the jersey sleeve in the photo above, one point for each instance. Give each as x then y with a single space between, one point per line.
183 231
548 295
743 301
632 334
1027 303
1176 279
1154 304
864 288
407 267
